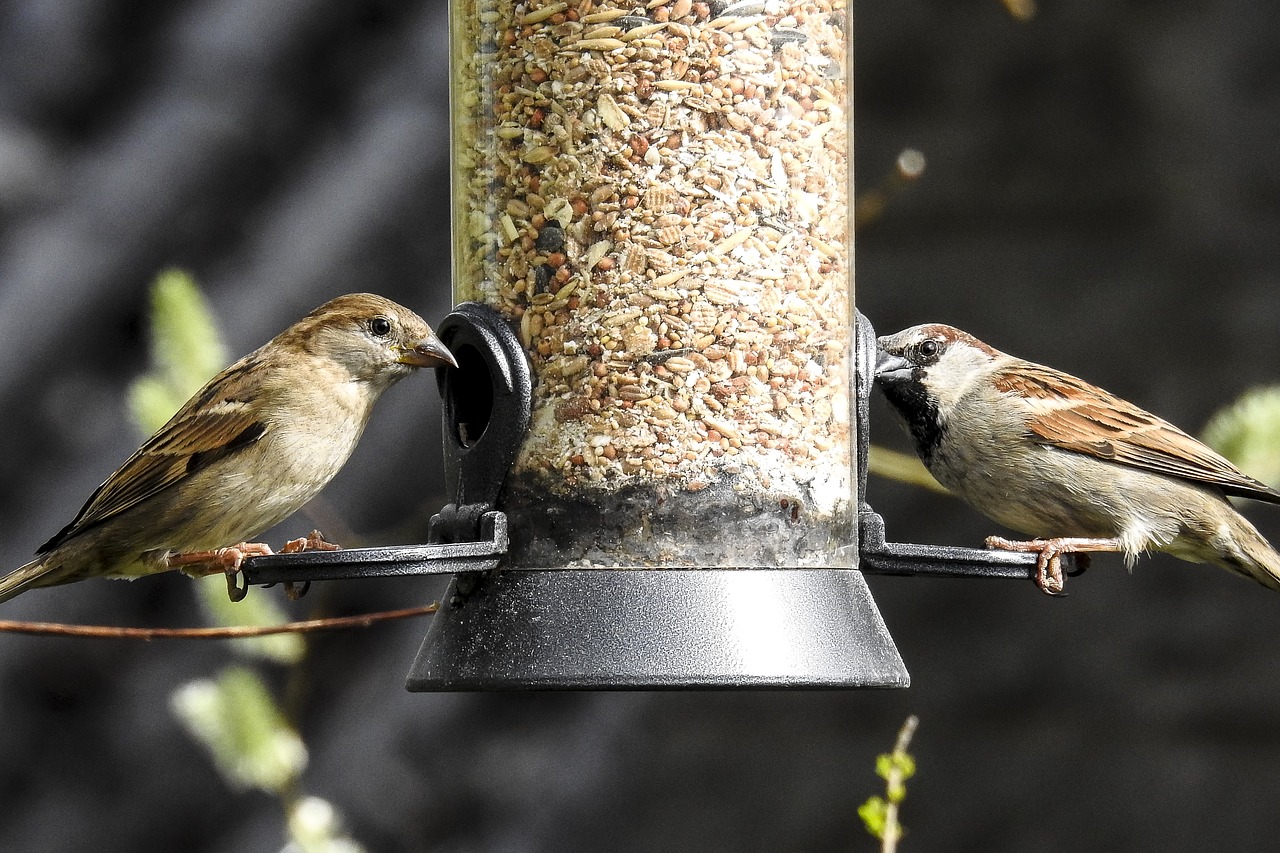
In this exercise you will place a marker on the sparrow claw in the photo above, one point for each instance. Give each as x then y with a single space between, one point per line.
1049 572
1049 575
314 541
235 590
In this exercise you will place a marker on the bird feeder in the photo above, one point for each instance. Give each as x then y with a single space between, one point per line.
655 439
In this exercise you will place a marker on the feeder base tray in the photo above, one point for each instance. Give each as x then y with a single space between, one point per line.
658 629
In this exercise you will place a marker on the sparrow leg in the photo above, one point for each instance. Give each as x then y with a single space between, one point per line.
1049 562
314 541
198 564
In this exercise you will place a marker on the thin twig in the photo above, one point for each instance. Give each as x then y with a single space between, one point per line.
892 829
111 632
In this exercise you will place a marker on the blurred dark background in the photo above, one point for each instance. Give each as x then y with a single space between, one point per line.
1102 194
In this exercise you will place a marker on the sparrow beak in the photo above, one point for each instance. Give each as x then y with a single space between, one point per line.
428 352
893 368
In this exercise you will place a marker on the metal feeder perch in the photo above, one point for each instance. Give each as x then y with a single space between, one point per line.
510 626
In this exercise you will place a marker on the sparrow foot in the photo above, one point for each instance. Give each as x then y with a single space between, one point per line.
227 561
314 541
1049 576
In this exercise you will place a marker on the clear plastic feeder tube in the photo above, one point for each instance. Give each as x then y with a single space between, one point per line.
658 196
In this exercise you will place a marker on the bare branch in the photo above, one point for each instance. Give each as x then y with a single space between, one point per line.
111 632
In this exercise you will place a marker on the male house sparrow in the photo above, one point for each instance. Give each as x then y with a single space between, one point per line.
251 447
1080 469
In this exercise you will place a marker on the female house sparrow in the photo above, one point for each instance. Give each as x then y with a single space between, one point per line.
1052 456
251 447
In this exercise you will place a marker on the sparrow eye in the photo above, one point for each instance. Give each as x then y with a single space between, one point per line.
380 327
928 349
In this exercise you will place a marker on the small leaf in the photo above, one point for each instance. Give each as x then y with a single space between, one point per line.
316 827
238 722
186 350
1248 433
893 762
873 814
895 768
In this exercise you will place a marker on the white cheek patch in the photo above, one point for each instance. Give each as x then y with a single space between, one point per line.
964 367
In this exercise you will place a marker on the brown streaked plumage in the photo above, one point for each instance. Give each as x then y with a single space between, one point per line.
1101 424
246 451
1050 455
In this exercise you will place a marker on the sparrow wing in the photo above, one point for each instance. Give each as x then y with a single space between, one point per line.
1070 413
211 426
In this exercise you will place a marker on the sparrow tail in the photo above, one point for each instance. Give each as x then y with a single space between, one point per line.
1268 563
33 574
1250 554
